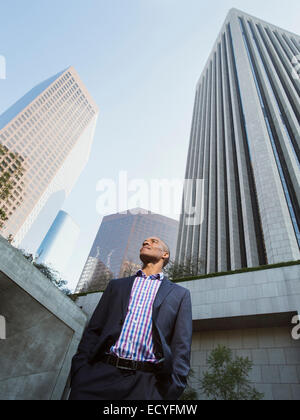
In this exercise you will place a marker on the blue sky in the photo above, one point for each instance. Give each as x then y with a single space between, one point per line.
140 60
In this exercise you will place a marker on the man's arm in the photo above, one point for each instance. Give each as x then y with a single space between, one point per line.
92 332
181 348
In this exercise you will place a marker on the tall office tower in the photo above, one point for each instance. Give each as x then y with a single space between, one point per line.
50 130
245 147
58 245
118 242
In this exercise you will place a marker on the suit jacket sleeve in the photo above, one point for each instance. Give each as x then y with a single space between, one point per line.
181 348
92 332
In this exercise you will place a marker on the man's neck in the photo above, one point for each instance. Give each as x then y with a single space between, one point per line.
152 269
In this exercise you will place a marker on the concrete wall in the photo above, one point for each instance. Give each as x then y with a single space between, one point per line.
275 356
43 329
252 314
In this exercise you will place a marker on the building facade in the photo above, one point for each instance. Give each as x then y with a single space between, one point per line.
58 245
254 315
50 130
244 146
117 244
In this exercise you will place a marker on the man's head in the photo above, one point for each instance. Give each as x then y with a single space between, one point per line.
154 250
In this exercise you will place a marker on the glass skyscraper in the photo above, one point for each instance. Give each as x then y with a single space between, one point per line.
58 245
51 130
118 242
245 145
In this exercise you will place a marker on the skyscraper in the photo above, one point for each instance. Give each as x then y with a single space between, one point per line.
50 130
58 245
118 242
244 145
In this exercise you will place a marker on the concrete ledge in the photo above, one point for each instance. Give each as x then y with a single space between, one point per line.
43 329
262 292
236 323
246 294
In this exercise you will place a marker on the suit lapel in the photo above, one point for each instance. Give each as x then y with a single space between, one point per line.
163 291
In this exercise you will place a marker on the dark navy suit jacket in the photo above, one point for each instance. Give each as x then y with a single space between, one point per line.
171 326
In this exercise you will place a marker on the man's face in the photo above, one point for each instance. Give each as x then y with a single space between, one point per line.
153 250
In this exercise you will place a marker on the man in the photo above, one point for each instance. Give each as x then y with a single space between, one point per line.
137 344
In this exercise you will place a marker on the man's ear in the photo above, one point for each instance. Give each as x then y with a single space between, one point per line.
166 255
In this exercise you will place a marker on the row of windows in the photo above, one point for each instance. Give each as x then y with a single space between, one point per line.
27 114
8 161
53 138
30 148
53 161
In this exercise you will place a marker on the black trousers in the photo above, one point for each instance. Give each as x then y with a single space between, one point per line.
102 381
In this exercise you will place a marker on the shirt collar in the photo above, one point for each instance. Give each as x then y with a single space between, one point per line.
159 276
